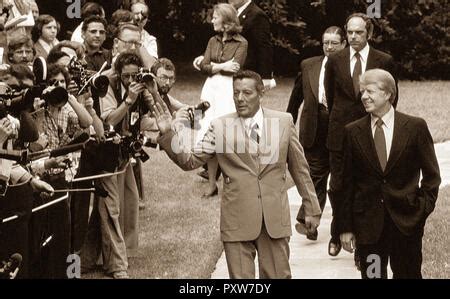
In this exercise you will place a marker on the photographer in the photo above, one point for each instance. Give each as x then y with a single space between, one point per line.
17 200
59 123
125 108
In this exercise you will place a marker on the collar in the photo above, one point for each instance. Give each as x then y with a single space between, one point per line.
123 90
364 53
388 119
235 37
324 61
47 47
243 7
258 118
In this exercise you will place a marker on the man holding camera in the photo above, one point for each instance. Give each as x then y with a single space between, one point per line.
125 108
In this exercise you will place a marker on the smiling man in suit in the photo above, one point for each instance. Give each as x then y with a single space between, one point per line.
384 207
309 87
254 146
342 74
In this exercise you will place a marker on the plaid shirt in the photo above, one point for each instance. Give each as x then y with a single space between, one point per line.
60 130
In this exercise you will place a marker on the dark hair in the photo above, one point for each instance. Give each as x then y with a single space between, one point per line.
76 46
93 19
54 55
127 58
335 30
243 74
17 42
21 72
42 20
91 9
164 63
367 20
55 69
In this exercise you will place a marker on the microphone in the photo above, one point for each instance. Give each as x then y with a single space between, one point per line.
11 267
28 131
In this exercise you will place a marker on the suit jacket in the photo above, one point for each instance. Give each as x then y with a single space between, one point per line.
368 189
343 104
255 181
256 30
40 51
307 88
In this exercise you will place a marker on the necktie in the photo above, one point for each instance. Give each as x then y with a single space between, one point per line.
357 70
254 132
380 143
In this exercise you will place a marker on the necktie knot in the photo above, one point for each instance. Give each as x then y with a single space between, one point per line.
357 55
254 130
379 123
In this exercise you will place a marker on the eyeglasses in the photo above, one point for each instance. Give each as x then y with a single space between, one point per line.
166 79
131 76
131 43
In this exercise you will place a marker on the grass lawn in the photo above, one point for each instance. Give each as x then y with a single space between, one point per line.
179 231
436 256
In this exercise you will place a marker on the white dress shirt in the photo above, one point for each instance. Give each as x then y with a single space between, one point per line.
258 118
149 43
364 53
321 81
243 7
388 128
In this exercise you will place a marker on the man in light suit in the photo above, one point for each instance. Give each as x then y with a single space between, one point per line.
253 146
342 90
314 119
384 207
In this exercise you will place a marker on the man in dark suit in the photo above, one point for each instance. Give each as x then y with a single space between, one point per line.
384 209
342 89
314 119
256 30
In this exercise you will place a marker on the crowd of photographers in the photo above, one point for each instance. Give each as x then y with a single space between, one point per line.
74 117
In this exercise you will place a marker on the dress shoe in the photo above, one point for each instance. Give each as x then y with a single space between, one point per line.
203 174
334 247
301 229
211 194
120 275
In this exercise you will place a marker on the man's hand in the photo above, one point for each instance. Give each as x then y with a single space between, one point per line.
197 62
72 88
348 241
89 104
6 129
135 90
162 116
57 162
44 188
312 223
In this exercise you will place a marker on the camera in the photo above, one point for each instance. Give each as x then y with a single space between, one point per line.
84 78
201 107
144 76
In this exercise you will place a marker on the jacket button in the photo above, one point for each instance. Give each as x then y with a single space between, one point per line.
384 182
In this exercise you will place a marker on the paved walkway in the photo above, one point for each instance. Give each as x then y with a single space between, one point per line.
310 259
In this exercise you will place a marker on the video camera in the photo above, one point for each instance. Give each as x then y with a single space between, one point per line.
97 83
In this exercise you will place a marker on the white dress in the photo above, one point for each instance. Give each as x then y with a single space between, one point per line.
218 91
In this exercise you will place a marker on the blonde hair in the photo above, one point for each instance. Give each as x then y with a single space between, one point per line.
229 16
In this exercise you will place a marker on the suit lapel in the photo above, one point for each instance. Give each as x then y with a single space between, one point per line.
243 15
269 146
345 69
314 76
399 141
372 59
237 142
367 146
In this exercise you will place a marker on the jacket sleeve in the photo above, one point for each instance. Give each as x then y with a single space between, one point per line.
296 99
299 170
260 30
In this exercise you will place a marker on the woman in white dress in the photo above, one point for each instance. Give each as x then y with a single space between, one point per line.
225 53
